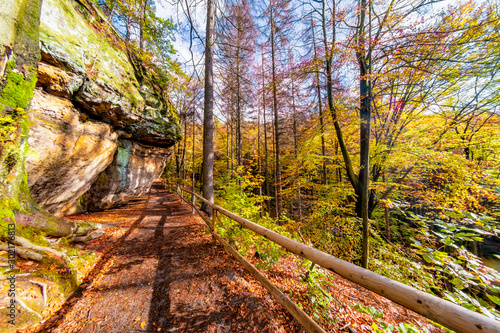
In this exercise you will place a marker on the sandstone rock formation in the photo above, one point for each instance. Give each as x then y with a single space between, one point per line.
97 126
132 172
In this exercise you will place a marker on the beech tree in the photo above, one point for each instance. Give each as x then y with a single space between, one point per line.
266 155
208 110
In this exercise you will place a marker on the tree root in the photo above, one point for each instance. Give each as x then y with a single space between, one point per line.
23 253
54 226
26 244
27 250
88 237
43 286
27 308
31 214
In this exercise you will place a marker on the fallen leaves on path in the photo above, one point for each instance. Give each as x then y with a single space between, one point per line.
159 272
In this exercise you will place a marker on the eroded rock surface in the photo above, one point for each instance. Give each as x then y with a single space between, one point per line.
68 153
89 101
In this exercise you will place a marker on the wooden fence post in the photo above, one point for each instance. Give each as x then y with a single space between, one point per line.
439 310
214 220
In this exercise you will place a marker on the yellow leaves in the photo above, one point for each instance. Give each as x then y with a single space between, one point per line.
143 324
468 8
387 203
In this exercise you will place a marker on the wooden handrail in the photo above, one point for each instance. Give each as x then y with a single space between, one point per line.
303 318
432 307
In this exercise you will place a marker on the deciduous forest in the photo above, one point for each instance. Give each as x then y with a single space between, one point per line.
367 129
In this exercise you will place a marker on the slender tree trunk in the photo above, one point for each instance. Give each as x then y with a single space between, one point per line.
232 145
387 223
329 87
141 25
127 29
193 180
273 153
386 216
296 147
266 170
339 169
228 152
111 8
208 112
364 62
259 161
320 109
279 199
239 154
184 148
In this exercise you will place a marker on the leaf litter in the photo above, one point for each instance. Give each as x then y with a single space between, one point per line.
158 271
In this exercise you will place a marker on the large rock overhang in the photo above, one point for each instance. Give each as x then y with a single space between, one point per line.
87 104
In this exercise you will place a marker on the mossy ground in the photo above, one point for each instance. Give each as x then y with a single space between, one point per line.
61 280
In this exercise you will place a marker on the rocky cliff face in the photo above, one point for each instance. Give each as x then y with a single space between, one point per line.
131 173
99 131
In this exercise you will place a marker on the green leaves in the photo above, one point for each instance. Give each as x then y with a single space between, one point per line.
371 311
494 299
430 258
464 277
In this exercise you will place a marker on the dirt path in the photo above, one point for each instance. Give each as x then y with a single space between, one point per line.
159 272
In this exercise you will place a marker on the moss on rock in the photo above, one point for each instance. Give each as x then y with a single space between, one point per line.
17 92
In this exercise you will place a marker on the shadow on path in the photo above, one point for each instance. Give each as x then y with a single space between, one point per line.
163 274
57 318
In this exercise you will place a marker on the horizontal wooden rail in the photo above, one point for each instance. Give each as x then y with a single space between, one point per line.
439 310
303 318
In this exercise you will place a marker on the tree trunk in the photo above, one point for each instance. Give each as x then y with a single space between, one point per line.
127 29
365 93
259 161
111 8
296 147
141 24
387 221
387 224
329 88
192 162
273 153
232 144
339 169
266 170
208 112
228 146
279 199
239 154
324 177
184 147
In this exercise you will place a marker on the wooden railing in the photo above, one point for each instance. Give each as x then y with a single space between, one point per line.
434 308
